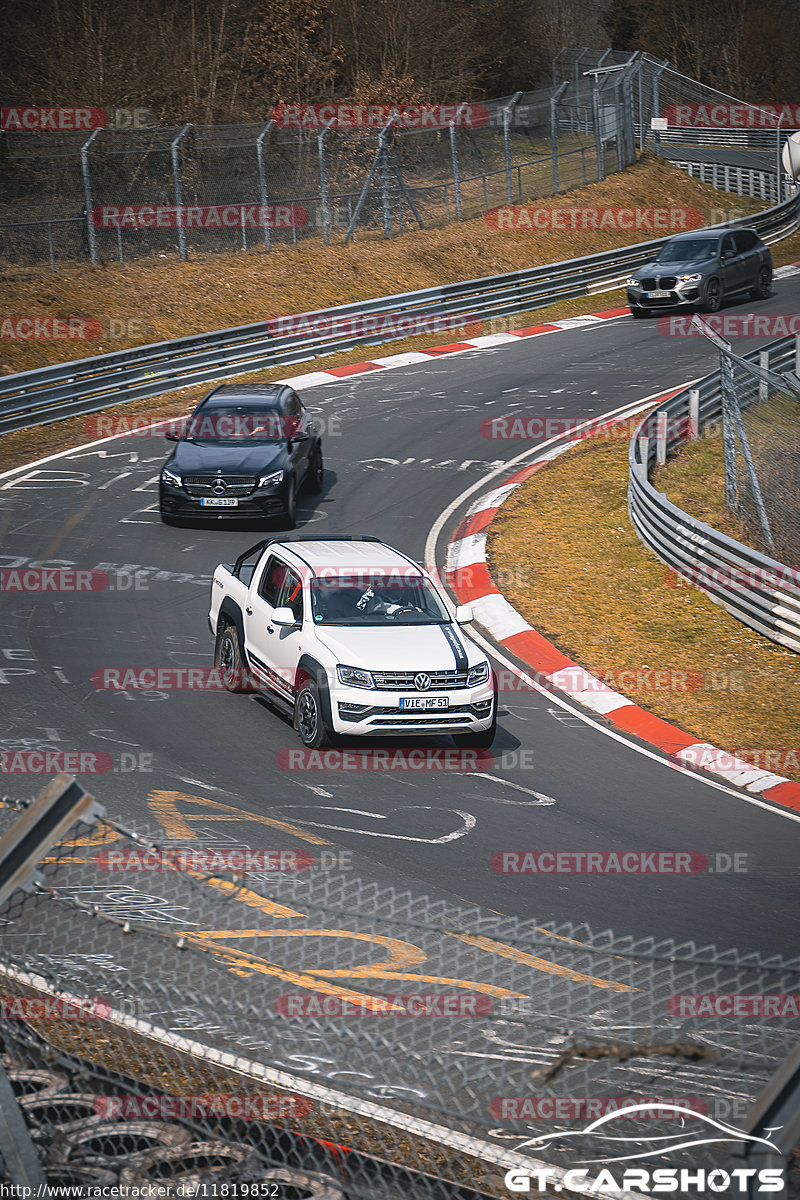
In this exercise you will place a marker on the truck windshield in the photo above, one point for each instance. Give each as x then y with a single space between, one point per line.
376 599
235 425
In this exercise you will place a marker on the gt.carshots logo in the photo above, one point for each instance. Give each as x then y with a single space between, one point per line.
545 217
610 1132
375 116
203 216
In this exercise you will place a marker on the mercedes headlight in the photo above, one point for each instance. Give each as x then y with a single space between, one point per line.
171 478
271 480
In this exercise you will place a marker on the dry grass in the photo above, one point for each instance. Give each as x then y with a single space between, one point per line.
173 299
604 600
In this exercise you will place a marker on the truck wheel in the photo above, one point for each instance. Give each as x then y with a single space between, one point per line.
308 717
228 660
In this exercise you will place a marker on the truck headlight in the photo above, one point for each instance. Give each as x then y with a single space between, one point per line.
171 478
478 674
354 677
271 480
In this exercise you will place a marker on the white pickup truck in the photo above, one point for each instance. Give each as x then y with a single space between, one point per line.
352 637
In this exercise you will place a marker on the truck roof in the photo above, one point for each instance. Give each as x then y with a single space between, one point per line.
346 554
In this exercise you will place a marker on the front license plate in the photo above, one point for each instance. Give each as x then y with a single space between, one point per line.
219 502
424 702
658 295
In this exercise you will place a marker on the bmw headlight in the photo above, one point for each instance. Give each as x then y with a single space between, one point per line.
171 478
478 674
271 480
632 282
690 278
354 677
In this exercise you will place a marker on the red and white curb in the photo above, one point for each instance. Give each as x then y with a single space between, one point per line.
484 342
467 575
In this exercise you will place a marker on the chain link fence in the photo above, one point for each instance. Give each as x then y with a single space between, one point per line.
126 194
761 442
197 1011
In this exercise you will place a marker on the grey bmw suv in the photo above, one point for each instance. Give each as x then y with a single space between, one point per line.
700 268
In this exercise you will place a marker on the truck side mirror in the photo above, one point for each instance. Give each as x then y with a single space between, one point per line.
284 617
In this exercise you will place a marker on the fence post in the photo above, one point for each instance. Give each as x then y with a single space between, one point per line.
507 141
644 451
454 156
661 438
50 246
763 386
728 389
176 176
797 354
694 413
598 140
262 180
657 104
386 203
554 99
323 184
87 193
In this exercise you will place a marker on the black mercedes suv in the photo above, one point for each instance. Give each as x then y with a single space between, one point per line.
243 454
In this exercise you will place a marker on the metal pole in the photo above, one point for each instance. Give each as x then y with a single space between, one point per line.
728 389
323 184
641 110
454 156
385 198
507 140
377 158
694 414
554 99
657 105
176 176
262 179
598 141
778 163
87 193
50 246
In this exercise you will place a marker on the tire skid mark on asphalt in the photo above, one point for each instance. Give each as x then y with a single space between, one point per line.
163 804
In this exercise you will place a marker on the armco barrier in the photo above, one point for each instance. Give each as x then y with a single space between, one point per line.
89 384
759 591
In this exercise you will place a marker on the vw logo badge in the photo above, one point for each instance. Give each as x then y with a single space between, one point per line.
218 487
422 682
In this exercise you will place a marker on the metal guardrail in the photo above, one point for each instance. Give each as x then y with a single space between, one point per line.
87 385
759 591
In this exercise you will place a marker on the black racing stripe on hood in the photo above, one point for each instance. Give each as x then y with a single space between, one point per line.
459 653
